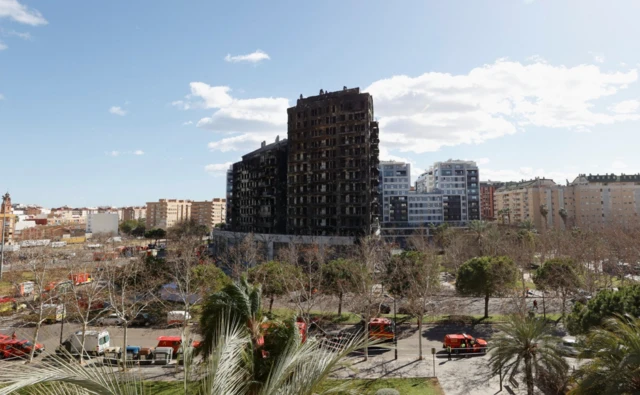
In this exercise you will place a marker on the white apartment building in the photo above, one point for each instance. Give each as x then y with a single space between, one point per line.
102 223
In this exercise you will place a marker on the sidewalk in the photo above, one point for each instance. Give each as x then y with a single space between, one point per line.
457 377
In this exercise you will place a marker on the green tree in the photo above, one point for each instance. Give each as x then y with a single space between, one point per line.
544 211
486 276
241 302
139 230
560 275
564 215
209 278
339 277
128 226
615 367
188 228
605 304
273 277
527 347
156 234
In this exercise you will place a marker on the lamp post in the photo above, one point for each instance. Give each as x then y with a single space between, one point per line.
395 328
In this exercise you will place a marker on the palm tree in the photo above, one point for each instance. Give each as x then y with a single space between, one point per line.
526 347
301 369
544 211
563 214
615 368
479 228
241 302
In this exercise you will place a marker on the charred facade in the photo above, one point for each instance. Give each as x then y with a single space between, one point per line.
259 190
333 176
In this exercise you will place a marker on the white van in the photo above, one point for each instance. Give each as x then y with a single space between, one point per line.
95 342
177 317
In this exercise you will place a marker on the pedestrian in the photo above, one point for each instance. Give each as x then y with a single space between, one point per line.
535 305
13 336
449 351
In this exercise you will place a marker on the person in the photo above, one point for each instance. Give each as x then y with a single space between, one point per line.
449 351
13 336
463 347
535 304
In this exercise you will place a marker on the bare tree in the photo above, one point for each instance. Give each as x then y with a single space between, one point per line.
130 293
371 255
415 276
241 256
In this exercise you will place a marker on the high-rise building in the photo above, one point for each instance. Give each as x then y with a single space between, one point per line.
459 183
332 186
133 213
603 200
487 204
7 218
229 196
516 202
209 212
167 212
259 190
395 184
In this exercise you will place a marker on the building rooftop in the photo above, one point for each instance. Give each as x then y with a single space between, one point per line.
328 95
266 147
608 178
508 186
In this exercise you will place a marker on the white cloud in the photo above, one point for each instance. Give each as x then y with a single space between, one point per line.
626 107
597 57
482 161
187 123
246 122
433 110
113 153
3 46
618 165
120 153
22 35
117 111
20 13
254 57
138 152
218 169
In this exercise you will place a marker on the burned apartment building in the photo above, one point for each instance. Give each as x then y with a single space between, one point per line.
332 186
259 190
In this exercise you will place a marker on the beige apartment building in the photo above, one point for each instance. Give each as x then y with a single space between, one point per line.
589 201
133 213
209 212
516 202
7 219
165 213
602 200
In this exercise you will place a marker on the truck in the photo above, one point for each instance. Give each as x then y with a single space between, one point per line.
25 288
53 313
95 342
456 342
80 278
13 348
177 317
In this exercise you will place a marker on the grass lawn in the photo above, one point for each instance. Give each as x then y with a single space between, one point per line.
410 386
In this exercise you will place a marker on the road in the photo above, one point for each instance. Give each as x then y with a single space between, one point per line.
459 376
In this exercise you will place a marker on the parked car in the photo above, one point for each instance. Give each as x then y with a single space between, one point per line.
143 319
110 320
569 346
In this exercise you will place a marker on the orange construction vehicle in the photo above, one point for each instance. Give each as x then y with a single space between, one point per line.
80 278
464 343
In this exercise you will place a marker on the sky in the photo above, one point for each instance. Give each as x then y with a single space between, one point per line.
123 102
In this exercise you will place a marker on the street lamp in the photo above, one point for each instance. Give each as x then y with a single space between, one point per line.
395 327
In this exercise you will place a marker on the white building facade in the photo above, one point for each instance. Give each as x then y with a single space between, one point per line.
102 223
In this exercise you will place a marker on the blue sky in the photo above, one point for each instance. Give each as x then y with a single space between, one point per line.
123 102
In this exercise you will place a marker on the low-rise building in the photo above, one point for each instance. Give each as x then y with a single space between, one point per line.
102 224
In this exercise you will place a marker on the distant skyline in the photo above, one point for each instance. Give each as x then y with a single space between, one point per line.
120 103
